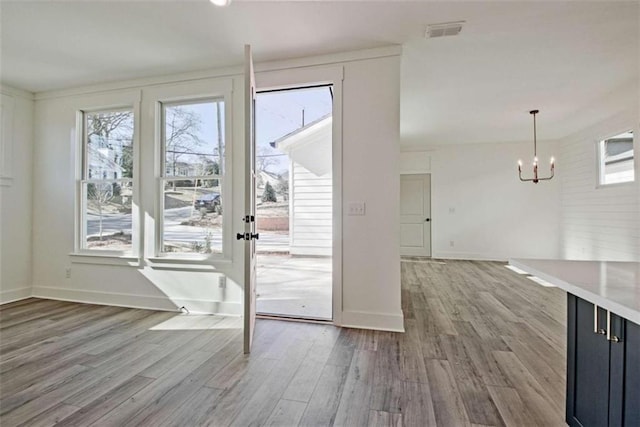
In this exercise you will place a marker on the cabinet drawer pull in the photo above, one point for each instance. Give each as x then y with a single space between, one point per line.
596 329
610 337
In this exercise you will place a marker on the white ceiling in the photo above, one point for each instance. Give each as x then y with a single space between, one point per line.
560 57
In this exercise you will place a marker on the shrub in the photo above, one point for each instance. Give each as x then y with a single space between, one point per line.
269 194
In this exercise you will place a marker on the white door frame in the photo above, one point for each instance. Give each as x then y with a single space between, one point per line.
309 76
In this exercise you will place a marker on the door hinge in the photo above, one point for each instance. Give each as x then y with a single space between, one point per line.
249 218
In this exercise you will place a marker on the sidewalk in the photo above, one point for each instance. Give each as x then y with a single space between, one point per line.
294 286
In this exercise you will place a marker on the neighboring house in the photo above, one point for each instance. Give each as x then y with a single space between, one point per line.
102 163
310 187
190 168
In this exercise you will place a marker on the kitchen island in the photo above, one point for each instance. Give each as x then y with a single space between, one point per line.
603 338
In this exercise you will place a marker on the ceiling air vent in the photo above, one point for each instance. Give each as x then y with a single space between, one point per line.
444 29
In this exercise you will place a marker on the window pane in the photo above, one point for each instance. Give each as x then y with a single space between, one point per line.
192 217
109 149
617 159
107 215
193 138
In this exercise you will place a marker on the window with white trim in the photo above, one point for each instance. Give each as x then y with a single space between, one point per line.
615 159
192 173
106 184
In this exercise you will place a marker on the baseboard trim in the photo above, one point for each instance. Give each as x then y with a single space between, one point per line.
13 295
467 256
374 321
146 302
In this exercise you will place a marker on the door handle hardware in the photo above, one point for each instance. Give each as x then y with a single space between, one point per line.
247 236
610 337
248 218
428 219
596 330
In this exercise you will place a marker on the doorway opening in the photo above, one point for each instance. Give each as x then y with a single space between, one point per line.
294 202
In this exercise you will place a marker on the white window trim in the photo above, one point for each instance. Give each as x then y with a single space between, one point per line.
108 102
221 89
599 165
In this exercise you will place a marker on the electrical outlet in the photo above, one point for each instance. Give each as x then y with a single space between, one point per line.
356 208
222 282
67 273
451 243
452 210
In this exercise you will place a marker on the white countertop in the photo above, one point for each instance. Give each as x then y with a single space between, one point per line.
614 286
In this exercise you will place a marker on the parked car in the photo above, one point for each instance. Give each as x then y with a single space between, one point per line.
210 202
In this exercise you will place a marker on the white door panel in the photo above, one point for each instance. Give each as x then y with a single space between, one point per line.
411 235
250 203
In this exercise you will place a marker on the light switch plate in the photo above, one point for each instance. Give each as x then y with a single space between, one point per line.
356 208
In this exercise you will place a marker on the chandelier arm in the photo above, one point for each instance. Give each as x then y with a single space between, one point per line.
535 139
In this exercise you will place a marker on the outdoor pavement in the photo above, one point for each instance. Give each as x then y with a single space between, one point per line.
294 286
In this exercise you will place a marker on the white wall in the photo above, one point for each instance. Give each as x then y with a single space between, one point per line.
479 207
599 223
371 173
15 197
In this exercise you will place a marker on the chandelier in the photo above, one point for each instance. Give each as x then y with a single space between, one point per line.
535 179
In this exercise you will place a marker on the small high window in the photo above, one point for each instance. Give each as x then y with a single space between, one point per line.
615 159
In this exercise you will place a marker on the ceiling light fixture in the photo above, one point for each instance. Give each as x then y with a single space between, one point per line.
221 3
535 178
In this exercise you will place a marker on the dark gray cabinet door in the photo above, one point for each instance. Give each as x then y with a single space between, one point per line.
588 366
632 375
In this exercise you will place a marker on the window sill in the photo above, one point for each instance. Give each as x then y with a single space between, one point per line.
104 259
186 264
616 185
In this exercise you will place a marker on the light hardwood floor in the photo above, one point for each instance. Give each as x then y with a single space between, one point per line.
483 346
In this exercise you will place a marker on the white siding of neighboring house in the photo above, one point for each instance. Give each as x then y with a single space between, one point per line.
310 212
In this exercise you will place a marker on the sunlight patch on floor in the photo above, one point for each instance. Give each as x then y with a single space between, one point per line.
198 322
541 282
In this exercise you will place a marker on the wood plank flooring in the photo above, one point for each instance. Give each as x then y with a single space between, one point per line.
483 347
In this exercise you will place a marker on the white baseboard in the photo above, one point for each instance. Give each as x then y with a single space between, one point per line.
375 321
468 256
139 301
12 295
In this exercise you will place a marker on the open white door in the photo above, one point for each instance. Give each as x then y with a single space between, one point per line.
250 235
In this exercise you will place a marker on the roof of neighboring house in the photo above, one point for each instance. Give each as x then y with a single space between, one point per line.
309 146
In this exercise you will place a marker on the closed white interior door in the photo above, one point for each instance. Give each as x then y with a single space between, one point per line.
415 215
